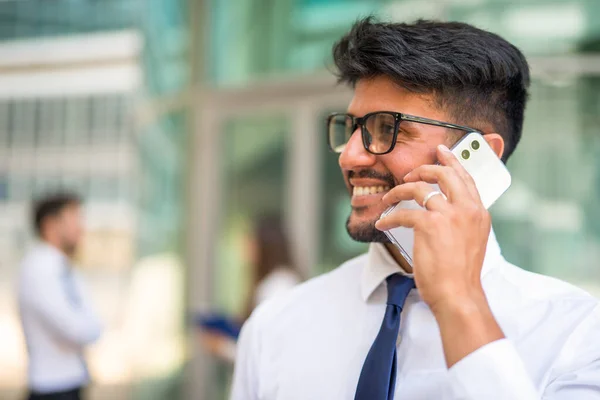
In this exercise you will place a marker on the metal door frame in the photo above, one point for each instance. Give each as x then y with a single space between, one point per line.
299 100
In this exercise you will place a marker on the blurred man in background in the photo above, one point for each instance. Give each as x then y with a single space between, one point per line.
57 318
463 323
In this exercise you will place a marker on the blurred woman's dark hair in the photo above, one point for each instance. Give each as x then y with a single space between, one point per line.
272 252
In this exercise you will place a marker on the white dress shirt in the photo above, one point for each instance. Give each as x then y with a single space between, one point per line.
312 342
57 320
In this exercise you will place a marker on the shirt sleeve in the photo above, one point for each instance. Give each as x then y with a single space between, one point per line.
576 374
581 384
46 296
492 372
245 376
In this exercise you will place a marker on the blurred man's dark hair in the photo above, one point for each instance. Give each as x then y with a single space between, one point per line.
51 205
477 76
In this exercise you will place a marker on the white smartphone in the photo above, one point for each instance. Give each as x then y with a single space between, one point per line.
491 178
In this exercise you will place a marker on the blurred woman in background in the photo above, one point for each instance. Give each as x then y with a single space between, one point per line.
273 273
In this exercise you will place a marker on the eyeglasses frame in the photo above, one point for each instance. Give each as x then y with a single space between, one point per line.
398 118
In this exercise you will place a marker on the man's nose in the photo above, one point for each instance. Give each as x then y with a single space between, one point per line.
354 155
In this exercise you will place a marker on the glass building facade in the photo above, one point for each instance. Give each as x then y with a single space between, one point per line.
227 124
38 18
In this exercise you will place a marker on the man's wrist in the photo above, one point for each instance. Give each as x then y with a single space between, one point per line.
466 323
460 305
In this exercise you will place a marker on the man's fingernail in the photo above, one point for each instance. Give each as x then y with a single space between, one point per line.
444 148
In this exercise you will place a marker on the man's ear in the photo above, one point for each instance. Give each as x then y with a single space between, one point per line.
496 142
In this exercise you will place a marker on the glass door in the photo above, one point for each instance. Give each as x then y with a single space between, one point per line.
252 171
258 153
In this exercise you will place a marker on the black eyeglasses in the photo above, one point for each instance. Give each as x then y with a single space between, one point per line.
379 129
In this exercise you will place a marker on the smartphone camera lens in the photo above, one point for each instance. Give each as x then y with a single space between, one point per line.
475 145
465 154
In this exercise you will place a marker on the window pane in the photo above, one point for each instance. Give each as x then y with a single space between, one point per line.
50 123
20 187
35 18
254 182
77 118
24 122
5 123
548 221
98 123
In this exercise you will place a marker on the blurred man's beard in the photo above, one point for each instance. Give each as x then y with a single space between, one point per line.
365 232
69 248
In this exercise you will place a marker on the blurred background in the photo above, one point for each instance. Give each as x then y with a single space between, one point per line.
181 121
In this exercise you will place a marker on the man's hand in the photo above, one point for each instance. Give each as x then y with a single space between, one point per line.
449 248
450 236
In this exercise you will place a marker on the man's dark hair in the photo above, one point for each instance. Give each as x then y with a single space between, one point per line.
477 76
51 205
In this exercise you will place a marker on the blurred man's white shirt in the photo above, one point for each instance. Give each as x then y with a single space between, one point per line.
56 329
312 342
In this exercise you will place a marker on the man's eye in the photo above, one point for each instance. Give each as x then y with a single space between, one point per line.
403 136
386 129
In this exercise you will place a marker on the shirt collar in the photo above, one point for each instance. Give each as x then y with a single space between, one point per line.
380 264
52 250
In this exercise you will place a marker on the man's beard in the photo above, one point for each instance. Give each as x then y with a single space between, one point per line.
366 232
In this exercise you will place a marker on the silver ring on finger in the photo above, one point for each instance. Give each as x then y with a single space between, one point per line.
429 195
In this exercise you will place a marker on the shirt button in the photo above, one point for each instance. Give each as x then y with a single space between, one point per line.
398 340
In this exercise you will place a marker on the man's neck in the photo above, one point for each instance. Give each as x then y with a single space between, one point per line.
397 256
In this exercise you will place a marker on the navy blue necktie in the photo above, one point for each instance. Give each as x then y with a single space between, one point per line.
378 376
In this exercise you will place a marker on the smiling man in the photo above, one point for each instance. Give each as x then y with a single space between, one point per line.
463 323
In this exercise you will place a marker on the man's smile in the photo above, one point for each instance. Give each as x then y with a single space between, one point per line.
367 191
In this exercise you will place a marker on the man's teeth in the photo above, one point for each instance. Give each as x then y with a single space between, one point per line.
364 190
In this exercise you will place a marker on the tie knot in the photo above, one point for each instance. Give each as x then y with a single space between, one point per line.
398 288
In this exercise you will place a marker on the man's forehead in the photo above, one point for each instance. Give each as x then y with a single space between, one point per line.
383 94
